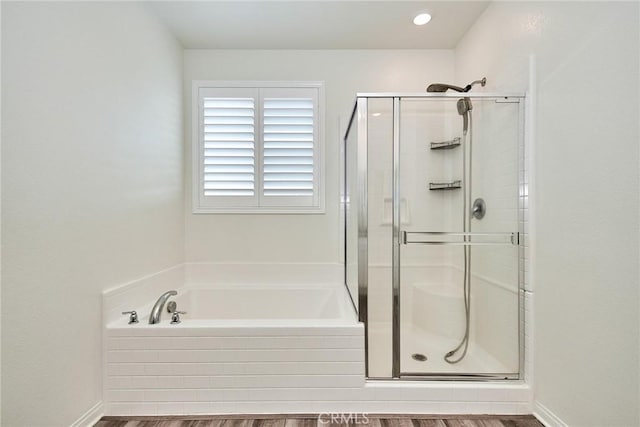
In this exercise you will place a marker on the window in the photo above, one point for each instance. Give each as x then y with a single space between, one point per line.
257 147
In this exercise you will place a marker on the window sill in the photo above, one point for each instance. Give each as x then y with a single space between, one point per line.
259 211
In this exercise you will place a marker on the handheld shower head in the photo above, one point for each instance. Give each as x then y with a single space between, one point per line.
464 106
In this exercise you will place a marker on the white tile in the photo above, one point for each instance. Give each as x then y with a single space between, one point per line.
129 408
171 382
377 407
119 356
216 395
284 342
466 394
117 343
158 369
168 356
111 408
118 382
292 407
505 408
125 368
422 393
196 382
226 407
180 331
266 407
416 407
170 395
170 408
125 396
220 368
496 394
454 408
311 355
144 381
198 408
209 395
298 368
475 407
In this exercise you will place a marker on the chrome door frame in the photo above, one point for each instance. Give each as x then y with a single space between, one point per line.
361 115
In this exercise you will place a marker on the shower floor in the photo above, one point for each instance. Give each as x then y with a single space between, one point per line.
415 340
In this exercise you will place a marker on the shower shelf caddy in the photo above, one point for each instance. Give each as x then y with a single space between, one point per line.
446 145
454 185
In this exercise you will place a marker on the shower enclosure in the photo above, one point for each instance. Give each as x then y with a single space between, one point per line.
433 209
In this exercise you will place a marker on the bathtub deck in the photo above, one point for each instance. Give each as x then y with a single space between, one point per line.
312 421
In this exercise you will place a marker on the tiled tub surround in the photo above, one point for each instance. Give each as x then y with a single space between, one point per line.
187 369
236 344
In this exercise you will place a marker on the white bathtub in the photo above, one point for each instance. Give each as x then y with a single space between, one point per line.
235 345
262 305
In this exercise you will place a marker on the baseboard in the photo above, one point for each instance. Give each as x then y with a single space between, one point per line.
90 417
546 417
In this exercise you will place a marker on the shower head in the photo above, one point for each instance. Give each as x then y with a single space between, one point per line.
443 87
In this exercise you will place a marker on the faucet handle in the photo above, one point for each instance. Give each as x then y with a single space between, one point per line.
133 316
175 317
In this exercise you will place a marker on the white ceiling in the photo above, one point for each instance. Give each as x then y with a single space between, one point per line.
328 24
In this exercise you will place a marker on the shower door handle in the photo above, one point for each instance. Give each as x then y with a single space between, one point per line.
459 238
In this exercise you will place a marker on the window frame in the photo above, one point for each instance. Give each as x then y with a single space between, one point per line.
202 204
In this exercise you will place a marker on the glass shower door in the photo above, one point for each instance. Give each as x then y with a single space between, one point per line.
458 228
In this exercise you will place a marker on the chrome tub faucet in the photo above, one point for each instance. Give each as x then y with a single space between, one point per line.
156 311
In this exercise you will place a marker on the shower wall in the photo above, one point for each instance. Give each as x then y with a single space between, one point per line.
584 273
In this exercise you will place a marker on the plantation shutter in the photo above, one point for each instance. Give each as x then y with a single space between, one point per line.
229 144
258 149
228 162
290 147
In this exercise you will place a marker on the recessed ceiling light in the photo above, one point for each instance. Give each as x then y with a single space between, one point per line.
422 18
376 114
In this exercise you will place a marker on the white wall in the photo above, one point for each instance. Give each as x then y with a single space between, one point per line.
0 227
298 238
585 234
92 189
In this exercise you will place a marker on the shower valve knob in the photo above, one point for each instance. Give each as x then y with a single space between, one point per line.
479 209
175 317
133 316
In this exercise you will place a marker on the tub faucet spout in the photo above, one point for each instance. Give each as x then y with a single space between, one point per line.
156 311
